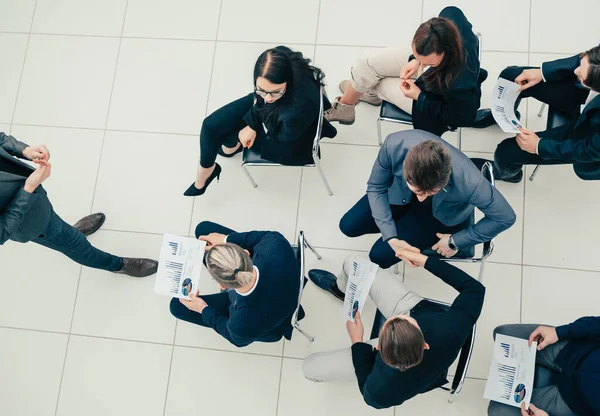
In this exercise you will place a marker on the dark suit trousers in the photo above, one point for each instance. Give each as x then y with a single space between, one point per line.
68 240
415 224
222 128
219 301
563 96
545 393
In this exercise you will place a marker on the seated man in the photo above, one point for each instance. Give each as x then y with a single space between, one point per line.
567 376
413 352
420 192
26 213
260 280
563 84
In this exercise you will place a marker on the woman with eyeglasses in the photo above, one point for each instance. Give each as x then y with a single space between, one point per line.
279 119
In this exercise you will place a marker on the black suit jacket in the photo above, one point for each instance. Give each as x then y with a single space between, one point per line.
265 314
383 386
290 142
458 106
577 142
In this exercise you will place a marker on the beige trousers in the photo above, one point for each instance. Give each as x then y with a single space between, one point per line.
391 296
379 72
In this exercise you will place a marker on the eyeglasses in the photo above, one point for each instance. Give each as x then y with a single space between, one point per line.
263 94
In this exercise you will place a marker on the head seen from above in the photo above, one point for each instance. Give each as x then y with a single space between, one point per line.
588 71
272 74
427 168
230 265
401 342
437 43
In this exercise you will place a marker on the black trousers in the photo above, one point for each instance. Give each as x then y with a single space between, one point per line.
509 158
219 301
222 128
415 224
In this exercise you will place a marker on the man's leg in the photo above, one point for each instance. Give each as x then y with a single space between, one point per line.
390 295
549 399
219 301
207 227
66 239
359 220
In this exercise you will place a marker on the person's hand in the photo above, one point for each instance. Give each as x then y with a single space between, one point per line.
400 248
533 411
195 303
212 239
409 89
527 140
414 259
247 137
37 152
356 330
442 246
544 335
409 69
529 78
39 175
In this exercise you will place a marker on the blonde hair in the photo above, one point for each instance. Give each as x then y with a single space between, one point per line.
229 265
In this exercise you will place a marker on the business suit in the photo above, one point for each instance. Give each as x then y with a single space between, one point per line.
391 208
577 142
28 216
383 386
288 140
265 313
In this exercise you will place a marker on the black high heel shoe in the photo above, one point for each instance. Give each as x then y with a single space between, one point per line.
238 150
193 191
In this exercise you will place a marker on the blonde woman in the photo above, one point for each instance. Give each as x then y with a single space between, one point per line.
259 275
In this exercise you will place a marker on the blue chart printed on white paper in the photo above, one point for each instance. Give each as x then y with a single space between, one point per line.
503 105
360 280
179 266
512 371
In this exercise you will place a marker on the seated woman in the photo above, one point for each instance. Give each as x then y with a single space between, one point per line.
436 81
263 277
279 119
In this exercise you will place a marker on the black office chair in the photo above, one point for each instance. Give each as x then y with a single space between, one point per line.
432 306
251 157
467 255
390 113
555 119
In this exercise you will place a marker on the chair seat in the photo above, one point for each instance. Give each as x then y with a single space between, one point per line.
253 156
556 118
389 110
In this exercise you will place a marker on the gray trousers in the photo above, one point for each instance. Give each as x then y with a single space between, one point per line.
391 296
545 394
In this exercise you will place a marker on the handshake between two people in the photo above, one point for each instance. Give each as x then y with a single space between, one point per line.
412 255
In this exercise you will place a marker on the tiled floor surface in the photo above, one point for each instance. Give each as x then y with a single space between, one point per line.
118 90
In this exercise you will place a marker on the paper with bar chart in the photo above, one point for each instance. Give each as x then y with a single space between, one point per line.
360 279
179 266
511 374
503 105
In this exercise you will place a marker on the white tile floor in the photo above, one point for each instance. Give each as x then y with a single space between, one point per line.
118 90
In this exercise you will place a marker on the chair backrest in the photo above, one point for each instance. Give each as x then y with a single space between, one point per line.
300 256
315 147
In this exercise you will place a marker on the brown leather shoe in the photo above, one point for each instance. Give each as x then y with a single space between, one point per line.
90 224
138 267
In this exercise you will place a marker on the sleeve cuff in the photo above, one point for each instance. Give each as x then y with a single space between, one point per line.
542 71
537 147
461 239
562 331
225 239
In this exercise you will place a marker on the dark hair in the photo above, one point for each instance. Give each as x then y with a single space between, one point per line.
279 65
593 77
427 166
401 344
439 35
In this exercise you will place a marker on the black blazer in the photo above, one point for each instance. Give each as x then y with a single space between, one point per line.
23 216
265 314
577 142
383 386
458 106
291 142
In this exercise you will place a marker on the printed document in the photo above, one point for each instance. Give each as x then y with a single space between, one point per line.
360 279
503 105
179 266
511 374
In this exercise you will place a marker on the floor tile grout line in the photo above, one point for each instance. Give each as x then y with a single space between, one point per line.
422 9
12 119
279 386
210 79
170 367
